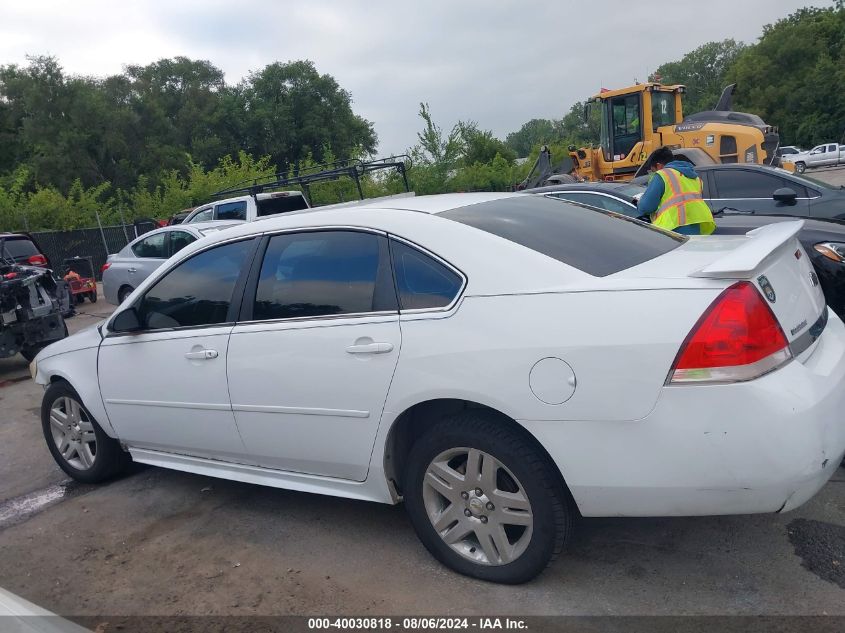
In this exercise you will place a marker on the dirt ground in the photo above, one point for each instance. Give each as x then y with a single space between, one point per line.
158 542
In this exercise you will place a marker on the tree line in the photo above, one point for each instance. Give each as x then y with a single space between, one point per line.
158 138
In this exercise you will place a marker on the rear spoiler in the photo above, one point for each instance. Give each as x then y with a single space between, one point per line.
742 262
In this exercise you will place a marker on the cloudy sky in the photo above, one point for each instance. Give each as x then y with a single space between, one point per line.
497 62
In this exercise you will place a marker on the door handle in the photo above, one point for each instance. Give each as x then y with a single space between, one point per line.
132 270
203 354
370 348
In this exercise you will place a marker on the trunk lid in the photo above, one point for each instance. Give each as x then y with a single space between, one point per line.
771 257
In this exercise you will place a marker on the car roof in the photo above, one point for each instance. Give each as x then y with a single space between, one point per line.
428 204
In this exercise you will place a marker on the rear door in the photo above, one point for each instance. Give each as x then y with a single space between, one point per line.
150 253
311 361
752 191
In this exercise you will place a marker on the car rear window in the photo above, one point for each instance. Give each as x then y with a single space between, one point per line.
597 242
17 247
281 204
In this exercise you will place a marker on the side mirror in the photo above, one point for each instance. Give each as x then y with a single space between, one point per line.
785 195
126 321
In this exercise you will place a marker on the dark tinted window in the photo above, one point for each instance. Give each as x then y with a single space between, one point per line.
321 273
422 281
593 241
595 200
154 246
179 240
231 211
281 204
18 247
198 291
741 183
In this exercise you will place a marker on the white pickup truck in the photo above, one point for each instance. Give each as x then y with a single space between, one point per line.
820 156
249 208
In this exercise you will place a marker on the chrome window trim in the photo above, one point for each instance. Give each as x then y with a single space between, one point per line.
591 193
323 317
230 240
458 295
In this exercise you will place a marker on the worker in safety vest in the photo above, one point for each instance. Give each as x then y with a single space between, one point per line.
673 198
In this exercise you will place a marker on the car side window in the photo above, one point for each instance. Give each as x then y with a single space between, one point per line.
320 273
600 202
179 240
154 246
204 216
422 281
744 184
231 211
196 292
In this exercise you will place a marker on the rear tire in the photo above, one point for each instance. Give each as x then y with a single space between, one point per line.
503 522
800 167
77 442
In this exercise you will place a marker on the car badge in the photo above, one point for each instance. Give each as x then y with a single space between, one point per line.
767 288
814 278
798 254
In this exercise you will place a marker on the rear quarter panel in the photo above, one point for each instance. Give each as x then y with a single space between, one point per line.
619 344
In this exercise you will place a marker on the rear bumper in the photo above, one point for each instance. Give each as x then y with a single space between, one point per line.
762 446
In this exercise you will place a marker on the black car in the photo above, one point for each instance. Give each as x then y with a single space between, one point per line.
823 239
21 248
769 190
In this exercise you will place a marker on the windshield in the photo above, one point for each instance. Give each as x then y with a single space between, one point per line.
817 183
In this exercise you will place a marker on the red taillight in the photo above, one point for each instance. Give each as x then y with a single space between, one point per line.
737 338
105 267
37 260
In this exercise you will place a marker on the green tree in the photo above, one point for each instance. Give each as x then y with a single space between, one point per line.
480 146
532 134
793 76
291 112
703 71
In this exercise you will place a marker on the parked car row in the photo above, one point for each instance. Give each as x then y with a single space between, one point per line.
823 238
457 353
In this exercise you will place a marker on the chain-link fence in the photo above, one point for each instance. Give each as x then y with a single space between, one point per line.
96 243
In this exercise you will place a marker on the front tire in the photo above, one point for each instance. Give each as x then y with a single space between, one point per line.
484 500
78 444
800 167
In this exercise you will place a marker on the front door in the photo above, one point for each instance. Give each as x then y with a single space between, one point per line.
165 387
312 361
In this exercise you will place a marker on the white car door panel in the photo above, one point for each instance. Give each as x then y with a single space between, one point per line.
309 397
164 385
167 390
311 362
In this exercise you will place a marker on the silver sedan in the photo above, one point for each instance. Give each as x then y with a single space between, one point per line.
135 262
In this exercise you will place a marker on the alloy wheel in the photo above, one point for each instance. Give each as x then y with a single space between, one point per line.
477 506
73 433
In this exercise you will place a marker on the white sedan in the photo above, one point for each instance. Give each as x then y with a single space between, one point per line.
497 361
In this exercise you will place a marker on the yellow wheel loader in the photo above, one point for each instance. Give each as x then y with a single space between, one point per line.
637 120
